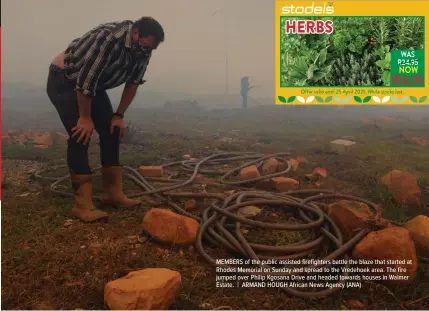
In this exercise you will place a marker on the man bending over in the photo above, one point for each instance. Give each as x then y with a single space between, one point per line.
104 58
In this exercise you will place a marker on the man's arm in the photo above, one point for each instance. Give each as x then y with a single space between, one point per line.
84 103
127 97
96 61
131 87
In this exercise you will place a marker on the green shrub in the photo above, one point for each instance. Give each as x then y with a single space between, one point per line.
349 70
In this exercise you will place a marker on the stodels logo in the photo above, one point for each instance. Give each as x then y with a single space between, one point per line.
326 8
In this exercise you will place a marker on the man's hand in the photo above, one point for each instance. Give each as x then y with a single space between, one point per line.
83 128
117 122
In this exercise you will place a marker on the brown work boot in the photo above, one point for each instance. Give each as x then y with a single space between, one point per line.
113 193
83 207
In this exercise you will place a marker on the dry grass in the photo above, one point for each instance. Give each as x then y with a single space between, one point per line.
48 266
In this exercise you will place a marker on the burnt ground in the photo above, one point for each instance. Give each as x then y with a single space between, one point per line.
51 263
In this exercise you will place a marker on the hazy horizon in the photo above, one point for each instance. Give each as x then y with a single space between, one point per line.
191 61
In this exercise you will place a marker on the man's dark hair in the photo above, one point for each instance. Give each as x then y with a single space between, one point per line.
148 26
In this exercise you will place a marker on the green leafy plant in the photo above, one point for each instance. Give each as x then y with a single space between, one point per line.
309 68
402 27
349 36
357 53
382 34
290 45
416 33
384 63
349 70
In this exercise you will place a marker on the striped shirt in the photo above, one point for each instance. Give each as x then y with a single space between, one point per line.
103 59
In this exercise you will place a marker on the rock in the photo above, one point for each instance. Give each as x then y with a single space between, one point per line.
384 223
167 226
230 192
393 243
404 188
28 133
249 172
44 139
301 159
320 172
187 157
270 166
95 248
294 163
190 204
283 166
352 138
12 132
419 230
284 184
355 304
419 141
148 289
136 239
199 178
68 223
22 140
162 251
7 139
350 216
265 184
249 211
342 146
205 305
151 171
45 306
59 138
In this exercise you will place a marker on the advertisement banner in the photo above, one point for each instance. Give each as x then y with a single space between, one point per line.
351 52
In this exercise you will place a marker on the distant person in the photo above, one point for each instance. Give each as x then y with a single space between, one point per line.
105 57
245 88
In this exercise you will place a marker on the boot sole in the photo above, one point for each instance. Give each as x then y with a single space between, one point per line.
103 218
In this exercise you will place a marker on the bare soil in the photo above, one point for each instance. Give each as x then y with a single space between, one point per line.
50 262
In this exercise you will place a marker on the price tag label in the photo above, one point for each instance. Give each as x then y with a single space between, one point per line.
407 68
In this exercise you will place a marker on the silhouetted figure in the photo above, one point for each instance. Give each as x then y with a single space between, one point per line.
245 88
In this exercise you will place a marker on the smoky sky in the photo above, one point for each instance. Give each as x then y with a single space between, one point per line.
198 33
